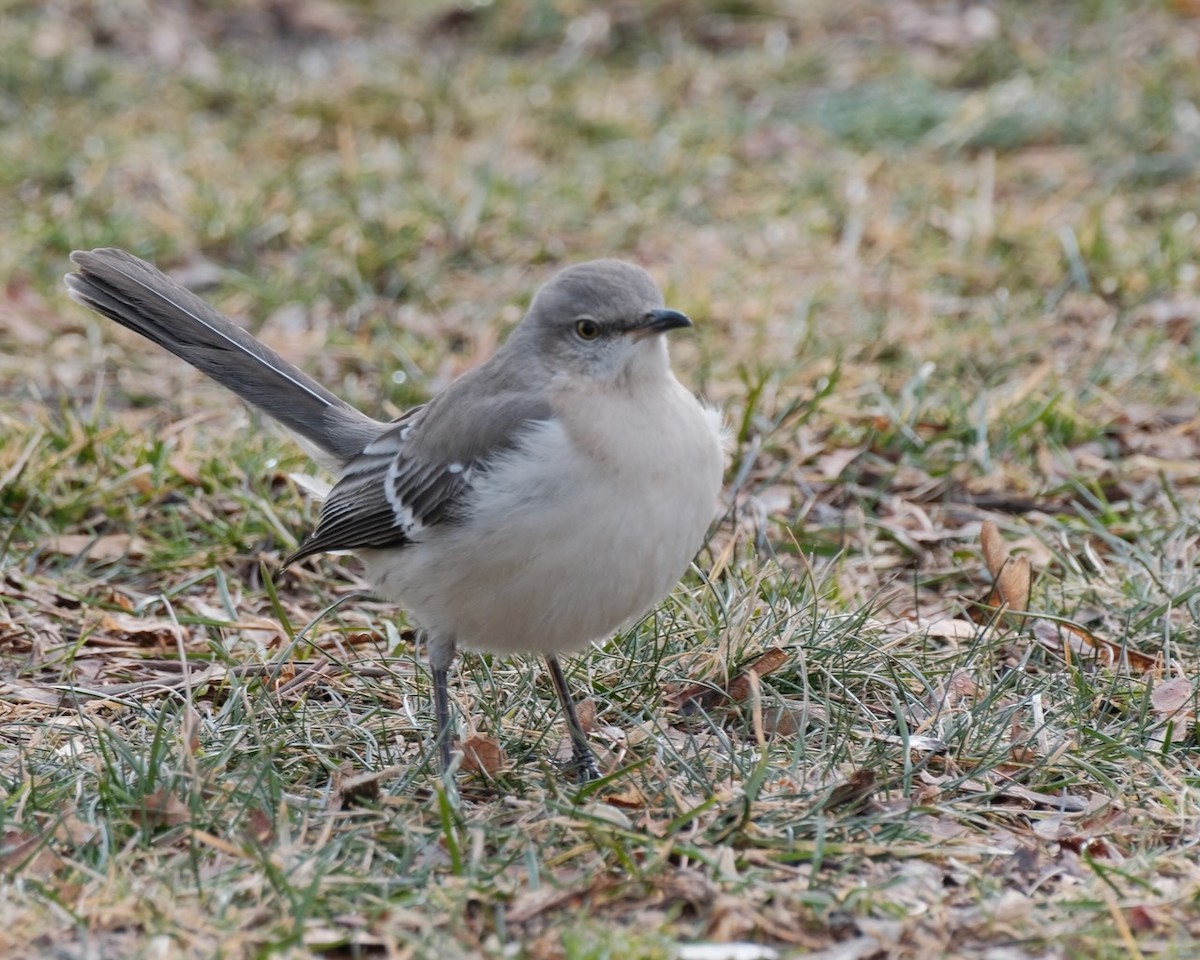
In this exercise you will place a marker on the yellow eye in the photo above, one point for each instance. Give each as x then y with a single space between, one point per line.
587 329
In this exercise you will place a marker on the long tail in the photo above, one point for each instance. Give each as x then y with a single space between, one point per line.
142 298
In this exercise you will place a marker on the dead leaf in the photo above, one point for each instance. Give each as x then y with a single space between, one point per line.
349 787
726 951
300 680
1012 576
142 628
313 19
189 730
116 598
739 688
1095 848
258 826
1172 695
1063 803
483 754
260 630
631 798
585 710
26 318
791 717
102 549
162 808
958 687
1142 920
14 690
187 470
1074 639
74 831
833 464
853 792
950 628
27 854
1019 751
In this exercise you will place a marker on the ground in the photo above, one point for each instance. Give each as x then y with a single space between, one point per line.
930 688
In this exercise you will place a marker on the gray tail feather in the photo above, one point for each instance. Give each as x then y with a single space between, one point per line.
142 298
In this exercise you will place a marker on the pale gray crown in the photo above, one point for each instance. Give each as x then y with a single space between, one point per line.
615 296
611 292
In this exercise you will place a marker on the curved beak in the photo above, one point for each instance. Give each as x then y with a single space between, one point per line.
659 321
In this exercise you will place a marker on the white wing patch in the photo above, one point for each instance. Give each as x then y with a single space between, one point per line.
390 495
405 520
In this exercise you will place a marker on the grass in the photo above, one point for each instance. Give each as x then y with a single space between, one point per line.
944 266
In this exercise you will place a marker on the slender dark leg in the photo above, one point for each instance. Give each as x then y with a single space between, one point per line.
440 650
441 711
582 759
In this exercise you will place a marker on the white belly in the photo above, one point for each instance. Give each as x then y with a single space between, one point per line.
573 537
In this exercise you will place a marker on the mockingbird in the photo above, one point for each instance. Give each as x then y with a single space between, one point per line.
538 503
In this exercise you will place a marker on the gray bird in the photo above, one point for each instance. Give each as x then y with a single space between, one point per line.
538 503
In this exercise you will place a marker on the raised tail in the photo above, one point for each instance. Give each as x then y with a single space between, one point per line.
147 301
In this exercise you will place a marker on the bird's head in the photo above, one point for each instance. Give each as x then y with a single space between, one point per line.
603 320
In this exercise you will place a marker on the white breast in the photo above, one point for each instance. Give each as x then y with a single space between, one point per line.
583 528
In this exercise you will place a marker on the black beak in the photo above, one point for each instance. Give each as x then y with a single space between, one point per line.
660 321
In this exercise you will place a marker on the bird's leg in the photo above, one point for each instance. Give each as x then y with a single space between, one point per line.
441 711
441 655
582 760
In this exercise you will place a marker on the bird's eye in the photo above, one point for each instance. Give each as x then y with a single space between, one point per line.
587 329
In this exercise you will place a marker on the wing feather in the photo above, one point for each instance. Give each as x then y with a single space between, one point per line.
418 475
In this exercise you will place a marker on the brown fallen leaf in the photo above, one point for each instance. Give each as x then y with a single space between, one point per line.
185 468
27 854
740 686
955 689
1142 919
116 598
1019 751
631 798
852 792
585 710
350 787
1062 803
1011 593
1078 641
263 631
1095 848
483 754
737 689
162 808
15 691
26 318
1012 576
791 717
1172 695
143 628
102 549
950 628
257 827
74 831
833 464
189 730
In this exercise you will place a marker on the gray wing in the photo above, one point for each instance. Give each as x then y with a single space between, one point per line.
419 474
